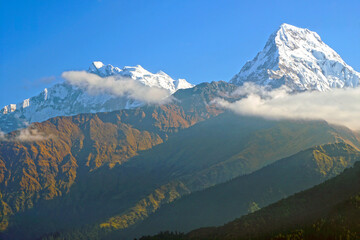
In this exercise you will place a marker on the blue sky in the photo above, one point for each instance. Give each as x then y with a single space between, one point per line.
197 40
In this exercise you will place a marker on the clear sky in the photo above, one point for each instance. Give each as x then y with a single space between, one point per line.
199 40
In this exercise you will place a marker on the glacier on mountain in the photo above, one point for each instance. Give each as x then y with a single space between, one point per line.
64 99
299 59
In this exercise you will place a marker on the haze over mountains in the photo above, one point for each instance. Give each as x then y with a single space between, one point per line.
101 162
327 211
246 194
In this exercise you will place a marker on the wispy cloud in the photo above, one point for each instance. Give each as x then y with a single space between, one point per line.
339 106
2 136
24 135
42 82
117 86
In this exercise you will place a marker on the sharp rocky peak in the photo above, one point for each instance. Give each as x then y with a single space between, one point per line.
298 58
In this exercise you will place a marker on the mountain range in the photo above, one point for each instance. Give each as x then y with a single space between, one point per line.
248 193
329 210
103 166
80 191
64 99
293 57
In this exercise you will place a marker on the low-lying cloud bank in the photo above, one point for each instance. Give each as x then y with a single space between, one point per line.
115 85
339 106
24 135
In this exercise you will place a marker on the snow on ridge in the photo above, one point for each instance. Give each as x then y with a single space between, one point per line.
63 99
159 79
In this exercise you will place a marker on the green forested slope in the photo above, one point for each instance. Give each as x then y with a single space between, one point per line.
225 202
330 210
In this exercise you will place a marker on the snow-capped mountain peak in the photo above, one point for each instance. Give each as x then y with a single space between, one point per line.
138 73
64 99
103 70
182 84
298 58
98 64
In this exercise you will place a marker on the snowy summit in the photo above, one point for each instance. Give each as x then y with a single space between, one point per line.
138 73
65 100
298 58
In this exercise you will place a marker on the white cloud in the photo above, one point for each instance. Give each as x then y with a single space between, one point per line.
117 86
2 136
339 106
24 135
29 135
